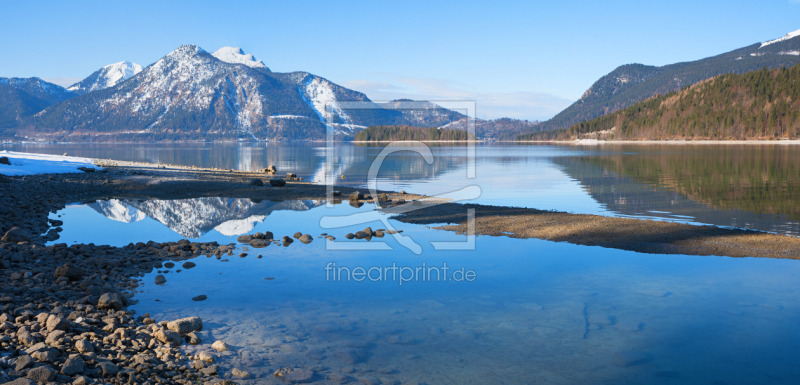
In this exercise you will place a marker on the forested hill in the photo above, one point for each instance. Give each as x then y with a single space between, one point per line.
390 133
633 83
763 104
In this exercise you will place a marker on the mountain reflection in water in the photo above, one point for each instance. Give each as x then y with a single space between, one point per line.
192 218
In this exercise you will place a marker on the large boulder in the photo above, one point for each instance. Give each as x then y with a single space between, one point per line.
72 366
42 374
305 238
168 337
4 160
110 301
55 322
15 234
277 182
108 368
256 182
69 271
185 325
84 346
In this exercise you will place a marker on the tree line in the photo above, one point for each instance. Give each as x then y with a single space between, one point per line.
391 133
762 104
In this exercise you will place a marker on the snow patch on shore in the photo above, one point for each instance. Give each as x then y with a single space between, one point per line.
24 163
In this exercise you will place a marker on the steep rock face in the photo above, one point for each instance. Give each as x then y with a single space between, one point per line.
633 83
106 77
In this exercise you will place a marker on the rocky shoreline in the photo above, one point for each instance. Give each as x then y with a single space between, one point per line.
64 314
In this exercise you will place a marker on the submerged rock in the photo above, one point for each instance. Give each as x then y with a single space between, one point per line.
628 358
256 182
277 182
350 356
294 375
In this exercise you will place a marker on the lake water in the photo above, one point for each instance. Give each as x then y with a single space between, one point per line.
749 186
535 312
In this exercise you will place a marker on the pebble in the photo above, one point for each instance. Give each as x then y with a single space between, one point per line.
219 346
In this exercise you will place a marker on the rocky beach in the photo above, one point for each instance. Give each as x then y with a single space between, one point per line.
64 314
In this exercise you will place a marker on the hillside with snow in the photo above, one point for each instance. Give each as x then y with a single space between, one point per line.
106 77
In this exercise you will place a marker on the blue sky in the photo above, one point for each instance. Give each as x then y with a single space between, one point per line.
522 59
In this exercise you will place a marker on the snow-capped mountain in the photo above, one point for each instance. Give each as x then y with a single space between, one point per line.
192 218
190 94
235 55
106 77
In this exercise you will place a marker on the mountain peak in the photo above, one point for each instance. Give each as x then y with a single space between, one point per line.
106 77
786 37
236 55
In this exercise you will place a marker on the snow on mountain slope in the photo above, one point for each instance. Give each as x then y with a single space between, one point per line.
788 36
319 95
106 77
190 79
235 55
52 93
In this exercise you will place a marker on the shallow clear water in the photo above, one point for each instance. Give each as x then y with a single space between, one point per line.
536 312
748 186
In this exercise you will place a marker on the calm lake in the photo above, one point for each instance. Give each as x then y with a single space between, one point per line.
534 312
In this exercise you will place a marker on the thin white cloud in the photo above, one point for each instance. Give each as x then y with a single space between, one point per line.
63 82
490 105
